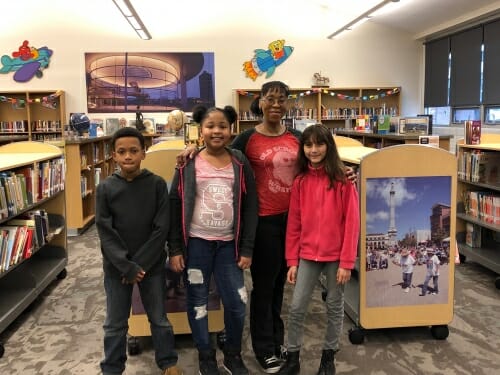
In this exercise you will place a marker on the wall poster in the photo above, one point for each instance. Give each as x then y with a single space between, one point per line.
150 82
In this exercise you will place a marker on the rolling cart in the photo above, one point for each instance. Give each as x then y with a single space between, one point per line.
407 205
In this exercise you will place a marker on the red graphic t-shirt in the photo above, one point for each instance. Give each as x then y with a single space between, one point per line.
273 161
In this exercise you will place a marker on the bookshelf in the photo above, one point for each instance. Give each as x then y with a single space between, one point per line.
478 202
37 115
332 107
374 299
44 258
88 160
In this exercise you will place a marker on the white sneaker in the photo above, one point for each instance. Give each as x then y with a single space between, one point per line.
407 290
270 365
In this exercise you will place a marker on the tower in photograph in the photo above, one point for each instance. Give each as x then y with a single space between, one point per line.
206 88
392 232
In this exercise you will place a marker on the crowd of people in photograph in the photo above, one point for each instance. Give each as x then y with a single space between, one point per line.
429 255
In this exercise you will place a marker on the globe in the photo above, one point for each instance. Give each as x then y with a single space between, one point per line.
176 119
79 122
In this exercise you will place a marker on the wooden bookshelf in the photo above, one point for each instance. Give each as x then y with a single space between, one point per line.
89 160
332 107
37 115
23 281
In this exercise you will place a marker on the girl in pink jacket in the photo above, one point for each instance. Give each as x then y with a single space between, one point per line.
321 237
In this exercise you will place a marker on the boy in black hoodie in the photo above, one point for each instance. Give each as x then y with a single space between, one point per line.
132 219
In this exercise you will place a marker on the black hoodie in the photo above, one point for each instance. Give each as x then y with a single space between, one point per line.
132 219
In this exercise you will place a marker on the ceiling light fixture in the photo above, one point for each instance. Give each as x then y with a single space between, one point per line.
128 11
362 18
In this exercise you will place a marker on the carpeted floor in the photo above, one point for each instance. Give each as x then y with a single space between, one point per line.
61 332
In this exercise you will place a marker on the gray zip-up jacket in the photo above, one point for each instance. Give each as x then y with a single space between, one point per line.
182 198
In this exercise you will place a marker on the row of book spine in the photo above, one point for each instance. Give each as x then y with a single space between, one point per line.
484 206
479 166
23 187
21 237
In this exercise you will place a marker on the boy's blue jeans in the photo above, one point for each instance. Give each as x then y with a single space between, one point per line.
118 303
205 258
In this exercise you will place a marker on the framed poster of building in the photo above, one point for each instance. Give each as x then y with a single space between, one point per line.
150 81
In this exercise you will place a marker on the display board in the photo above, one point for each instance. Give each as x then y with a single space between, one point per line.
407 205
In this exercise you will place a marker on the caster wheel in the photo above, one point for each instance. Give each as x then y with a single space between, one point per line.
497 282
39 74
2 350
440 332
62 275
356 336
221 339
133 346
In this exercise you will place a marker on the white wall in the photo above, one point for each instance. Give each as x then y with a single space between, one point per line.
370 55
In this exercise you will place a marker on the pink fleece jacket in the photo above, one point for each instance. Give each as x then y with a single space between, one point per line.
323 224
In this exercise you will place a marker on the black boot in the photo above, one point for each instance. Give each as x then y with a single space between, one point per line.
208 362
292 364
233 363
327 365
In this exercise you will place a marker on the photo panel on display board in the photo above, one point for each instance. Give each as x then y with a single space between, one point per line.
407 237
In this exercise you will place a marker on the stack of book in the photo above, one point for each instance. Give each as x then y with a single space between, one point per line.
479 166
21 237
484 206
472 132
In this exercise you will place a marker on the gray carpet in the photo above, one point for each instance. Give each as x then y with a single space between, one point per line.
61 332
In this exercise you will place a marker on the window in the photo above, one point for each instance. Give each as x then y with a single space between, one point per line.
440 115
492 115
460 115
461 76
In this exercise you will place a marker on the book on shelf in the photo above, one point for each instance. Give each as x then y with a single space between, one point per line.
29 246
19 244
362 123
8 237
472 130
112 125
472 235
11 200
383 124
479 166
484 205
28 173
4 211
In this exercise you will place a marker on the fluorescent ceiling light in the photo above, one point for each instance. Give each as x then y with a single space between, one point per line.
357 23
361 18
133 18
